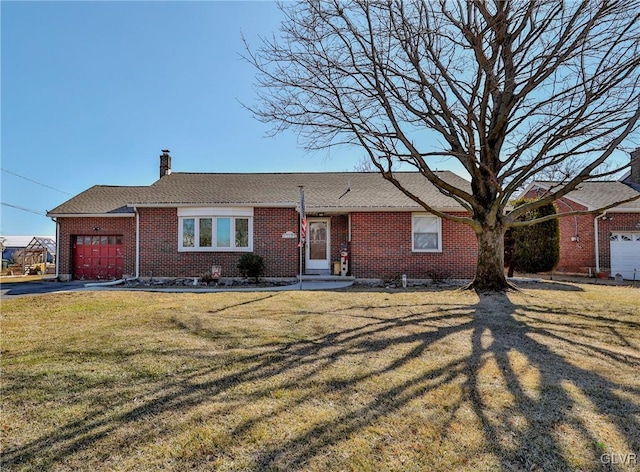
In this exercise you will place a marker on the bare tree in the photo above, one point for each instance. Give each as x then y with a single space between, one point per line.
364 164
508 88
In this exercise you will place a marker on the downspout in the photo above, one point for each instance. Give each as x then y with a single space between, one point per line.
137 274
57 274
596 239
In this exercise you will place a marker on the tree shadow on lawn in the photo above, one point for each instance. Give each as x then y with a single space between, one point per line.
552 417
503 366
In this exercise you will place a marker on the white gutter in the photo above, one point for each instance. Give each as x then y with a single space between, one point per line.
378 209
596 239
137 242
308 208
110 283
213 205
90 215
623 210
57 274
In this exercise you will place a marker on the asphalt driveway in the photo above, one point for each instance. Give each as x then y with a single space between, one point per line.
37 287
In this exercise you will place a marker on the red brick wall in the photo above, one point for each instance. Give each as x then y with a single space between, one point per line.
577 240
381 245
577 237
339 235
280 255
579 256
159 254
381 248
71 227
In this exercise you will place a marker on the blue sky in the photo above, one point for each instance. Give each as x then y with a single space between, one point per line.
93 91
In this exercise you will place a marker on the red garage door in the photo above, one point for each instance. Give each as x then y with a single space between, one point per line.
98 257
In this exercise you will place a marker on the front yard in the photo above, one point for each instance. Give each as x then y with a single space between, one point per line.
545 379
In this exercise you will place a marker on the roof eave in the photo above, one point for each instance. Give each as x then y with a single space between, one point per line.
90 215
568 196
211 204
388 209
309 208
622 210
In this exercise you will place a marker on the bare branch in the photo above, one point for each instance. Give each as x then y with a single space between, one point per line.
510 89
575 213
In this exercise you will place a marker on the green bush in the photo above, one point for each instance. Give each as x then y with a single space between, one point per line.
251 265
534 248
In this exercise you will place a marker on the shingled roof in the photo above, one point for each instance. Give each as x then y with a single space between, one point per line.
100 200
323 192
600 194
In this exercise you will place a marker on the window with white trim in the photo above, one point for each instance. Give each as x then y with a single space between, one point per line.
426 233
215 229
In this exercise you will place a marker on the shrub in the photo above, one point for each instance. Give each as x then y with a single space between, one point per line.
206 278
251 265
534 248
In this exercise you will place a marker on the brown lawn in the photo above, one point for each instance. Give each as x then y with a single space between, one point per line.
543 379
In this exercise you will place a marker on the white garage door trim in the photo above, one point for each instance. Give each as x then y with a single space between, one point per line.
625 254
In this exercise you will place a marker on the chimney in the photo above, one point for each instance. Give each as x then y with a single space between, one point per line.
634 178
165 163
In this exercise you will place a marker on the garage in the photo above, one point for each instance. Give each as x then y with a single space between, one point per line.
625 255
98 257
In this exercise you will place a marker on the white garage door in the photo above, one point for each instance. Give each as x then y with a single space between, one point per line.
625 255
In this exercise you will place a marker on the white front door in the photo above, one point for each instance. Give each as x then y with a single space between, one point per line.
318 245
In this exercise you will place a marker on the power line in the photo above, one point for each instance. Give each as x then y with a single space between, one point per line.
41 213
35 182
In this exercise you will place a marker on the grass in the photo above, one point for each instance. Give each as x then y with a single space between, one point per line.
316 381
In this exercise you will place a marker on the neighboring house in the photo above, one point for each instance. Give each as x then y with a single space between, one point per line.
605 242
17 244
11 244
184 223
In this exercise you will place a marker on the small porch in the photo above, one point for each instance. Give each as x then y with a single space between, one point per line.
327 239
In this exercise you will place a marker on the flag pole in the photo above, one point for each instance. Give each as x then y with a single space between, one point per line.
303 230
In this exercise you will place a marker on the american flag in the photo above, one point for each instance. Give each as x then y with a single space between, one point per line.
303 217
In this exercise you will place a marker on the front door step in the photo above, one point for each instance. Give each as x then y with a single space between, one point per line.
325 278
317 272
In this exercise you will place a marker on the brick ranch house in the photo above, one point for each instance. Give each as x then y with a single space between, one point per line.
184 223
607 242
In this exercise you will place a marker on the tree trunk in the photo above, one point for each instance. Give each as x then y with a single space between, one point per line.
490 270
